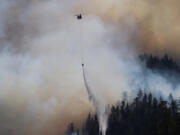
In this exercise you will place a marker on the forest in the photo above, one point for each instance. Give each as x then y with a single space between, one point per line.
164 66
146 114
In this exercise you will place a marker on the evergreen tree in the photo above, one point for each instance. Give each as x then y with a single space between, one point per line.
146 115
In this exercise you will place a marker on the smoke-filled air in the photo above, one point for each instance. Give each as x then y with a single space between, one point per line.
56 69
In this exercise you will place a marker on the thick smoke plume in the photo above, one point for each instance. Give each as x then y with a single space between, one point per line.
41 82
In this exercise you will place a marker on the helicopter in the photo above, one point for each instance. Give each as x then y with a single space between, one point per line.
79 16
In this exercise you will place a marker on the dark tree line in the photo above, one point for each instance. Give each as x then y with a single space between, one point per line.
146 115
160 64
164 66
90 127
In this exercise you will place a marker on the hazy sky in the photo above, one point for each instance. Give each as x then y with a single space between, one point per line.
42 45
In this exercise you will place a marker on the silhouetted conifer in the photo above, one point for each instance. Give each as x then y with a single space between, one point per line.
146 115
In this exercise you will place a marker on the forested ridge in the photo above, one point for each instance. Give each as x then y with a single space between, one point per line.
165 65
146 114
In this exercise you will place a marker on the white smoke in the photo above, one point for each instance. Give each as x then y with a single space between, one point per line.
41 82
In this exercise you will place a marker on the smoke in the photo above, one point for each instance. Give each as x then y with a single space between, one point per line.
157 22
41 81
